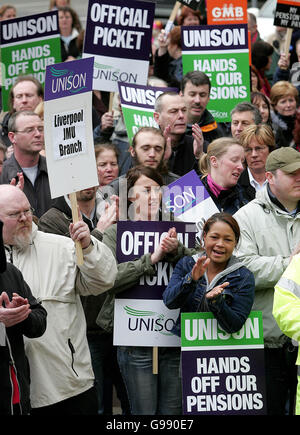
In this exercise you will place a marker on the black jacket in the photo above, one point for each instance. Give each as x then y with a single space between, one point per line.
210 129
13 353
38 195
182 159
249 191
4 130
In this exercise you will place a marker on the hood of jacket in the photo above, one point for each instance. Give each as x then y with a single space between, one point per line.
233 264
263 199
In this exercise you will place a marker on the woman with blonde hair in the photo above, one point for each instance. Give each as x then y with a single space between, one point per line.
220 170
258 141
284 100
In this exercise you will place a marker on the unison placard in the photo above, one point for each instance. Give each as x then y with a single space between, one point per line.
222 53
141 317
69 140
28 45
138 103
119 36
222 373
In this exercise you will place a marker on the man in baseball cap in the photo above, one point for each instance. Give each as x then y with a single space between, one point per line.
287 159
270 237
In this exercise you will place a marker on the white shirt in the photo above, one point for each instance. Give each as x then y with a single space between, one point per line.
254 183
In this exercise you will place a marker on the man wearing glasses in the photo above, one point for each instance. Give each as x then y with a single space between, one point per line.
62 378
26 133
26 94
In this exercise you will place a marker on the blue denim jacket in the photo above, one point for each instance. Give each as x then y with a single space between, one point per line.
231 308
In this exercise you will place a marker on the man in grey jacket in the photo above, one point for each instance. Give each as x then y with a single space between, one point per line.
62 379
270 236
26 133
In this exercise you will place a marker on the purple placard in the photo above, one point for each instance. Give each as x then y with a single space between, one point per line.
210 38
140 96
38 26
235 390
69 78
118 29
134 239
191 190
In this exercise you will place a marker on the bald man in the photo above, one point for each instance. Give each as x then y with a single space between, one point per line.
62 379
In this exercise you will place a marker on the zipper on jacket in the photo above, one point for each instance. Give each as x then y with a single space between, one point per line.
12 364
72 354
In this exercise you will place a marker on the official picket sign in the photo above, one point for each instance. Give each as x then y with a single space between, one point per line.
138 103
222 53
222 374
28 45
189 201
119 36
140 315
287 14
69 140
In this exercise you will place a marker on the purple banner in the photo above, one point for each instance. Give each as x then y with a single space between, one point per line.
118 29
138 238
31 27
69 78
223 382
140 96
184 193
210 38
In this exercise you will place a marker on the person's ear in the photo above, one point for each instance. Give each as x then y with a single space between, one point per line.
11 136
213 161
269 177
156 117
132 152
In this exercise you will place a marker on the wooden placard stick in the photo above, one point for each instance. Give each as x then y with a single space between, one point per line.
75 217
288 39
172 18
155 360
111 100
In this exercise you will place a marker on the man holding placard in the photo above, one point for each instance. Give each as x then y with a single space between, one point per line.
62 379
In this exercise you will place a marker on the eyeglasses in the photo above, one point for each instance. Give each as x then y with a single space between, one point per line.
256 149
18 214
30 130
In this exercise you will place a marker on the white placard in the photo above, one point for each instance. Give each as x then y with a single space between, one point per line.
69 144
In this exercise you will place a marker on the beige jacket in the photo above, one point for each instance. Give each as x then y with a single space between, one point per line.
60 361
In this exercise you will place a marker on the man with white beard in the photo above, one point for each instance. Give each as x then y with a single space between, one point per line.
62 379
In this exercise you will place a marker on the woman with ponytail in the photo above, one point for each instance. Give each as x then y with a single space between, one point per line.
220 169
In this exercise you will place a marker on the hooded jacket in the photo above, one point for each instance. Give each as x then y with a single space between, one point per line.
231 308
268 236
